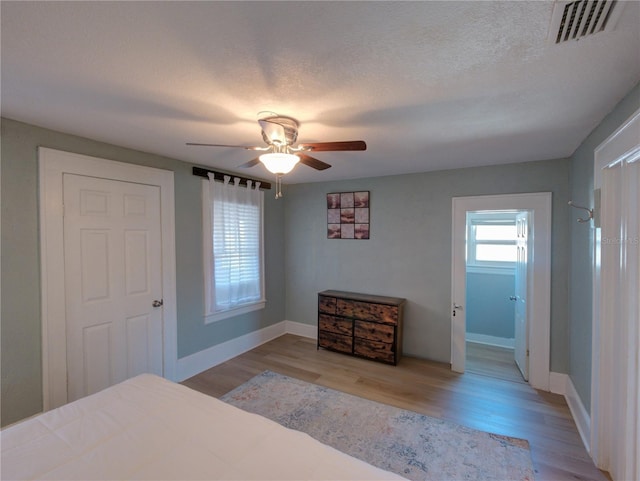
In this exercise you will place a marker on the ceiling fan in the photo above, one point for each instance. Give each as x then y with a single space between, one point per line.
281 155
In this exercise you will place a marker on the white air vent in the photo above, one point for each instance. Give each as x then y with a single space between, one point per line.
573 20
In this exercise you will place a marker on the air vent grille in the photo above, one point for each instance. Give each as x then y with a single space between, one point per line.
580 18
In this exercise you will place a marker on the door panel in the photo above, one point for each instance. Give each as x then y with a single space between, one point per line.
94 253
136 253
95 356
521 285
137 345
112 245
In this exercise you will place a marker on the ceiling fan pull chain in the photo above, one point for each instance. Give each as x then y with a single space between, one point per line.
278 186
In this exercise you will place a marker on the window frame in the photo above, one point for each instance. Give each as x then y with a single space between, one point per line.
212 315
473 264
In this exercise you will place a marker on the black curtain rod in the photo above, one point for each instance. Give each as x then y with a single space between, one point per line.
200 172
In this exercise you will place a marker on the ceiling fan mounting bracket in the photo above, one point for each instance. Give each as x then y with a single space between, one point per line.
289 127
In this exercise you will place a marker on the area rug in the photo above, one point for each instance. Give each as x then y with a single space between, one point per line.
412 445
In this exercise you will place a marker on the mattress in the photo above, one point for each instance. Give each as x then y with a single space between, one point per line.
151 428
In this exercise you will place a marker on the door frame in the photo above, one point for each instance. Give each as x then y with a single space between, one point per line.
621 144
517 352
53 164
539 306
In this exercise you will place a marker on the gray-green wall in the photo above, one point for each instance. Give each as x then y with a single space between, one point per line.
409 253
489 310
580 300
20 328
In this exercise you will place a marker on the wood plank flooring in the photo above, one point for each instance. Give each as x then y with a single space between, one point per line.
492 361
481 402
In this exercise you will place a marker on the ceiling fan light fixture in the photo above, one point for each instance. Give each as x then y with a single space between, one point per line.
279 162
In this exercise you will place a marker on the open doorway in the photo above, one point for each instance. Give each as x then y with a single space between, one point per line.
537 307
496 280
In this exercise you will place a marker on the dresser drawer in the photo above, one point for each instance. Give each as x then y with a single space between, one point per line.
327 304
337 325
363 325
374 331
336 342
380 351
367 311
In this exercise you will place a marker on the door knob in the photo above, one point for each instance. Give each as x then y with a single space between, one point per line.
157 303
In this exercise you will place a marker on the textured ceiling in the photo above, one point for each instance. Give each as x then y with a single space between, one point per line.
428 85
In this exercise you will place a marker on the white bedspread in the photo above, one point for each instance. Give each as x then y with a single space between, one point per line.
150 428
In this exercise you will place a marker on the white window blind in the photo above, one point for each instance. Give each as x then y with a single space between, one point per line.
233 248
491 242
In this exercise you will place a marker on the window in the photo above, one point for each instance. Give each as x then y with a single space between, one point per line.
233 248
491 241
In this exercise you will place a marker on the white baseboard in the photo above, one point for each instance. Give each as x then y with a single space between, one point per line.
300 329
560 383
207 358
201 361
490 340
579 413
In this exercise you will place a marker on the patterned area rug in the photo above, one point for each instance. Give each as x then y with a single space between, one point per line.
412 445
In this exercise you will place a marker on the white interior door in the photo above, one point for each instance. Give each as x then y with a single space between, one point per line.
521 285
112 250
620 246
615 382
539 285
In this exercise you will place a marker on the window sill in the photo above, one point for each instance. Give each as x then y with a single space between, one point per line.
503 270
219 316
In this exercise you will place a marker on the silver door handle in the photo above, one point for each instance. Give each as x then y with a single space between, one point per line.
457 306
513 298
157 303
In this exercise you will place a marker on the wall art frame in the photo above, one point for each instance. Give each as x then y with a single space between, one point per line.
348 215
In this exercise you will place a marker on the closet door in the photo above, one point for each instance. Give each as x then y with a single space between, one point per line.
113 282
620 314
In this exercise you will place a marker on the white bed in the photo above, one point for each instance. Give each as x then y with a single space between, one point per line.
151 428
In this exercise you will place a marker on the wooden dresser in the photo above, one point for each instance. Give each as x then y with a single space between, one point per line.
361 325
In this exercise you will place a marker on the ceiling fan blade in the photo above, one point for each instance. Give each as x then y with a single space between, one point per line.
312 162
335 146
251 163
224 145
272 131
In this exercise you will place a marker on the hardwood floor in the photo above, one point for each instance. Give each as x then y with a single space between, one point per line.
492 361
481 402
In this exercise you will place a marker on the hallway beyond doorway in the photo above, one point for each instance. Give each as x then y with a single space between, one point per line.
493 361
